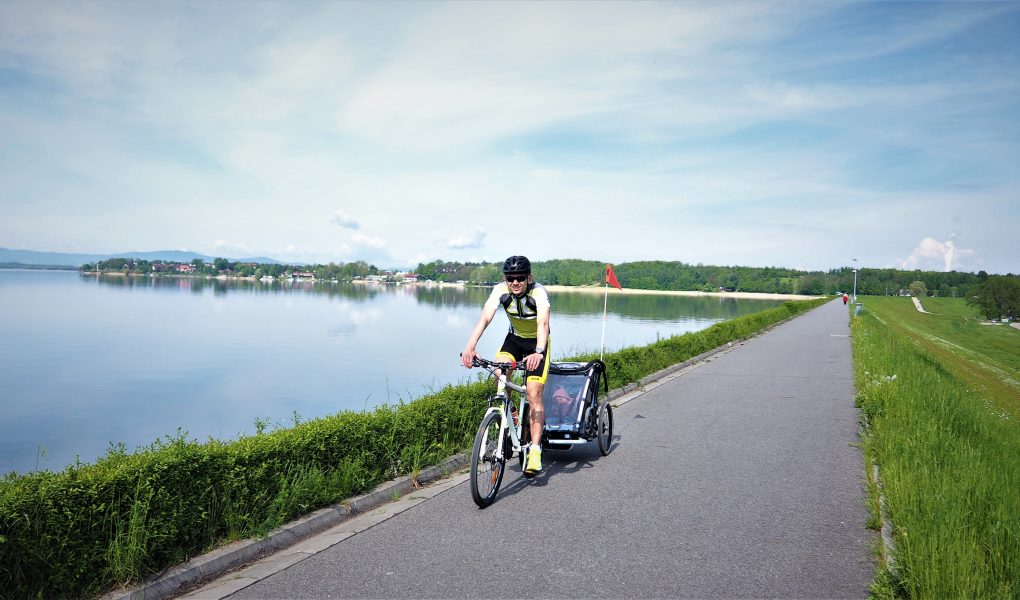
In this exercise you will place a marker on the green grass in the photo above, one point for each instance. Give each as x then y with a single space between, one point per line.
947 451
987 357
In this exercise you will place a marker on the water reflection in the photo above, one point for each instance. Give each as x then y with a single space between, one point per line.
90 360
648 307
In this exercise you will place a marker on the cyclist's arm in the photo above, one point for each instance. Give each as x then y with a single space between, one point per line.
541 338
488 312
542 335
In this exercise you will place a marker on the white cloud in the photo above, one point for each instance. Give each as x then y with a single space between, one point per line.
657 129
472 240
931 252
360 239
225 249
344 220
787 97
470 74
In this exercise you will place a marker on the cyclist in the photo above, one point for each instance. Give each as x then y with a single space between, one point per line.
527 306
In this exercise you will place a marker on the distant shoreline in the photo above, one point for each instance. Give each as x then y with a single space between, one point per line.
629 291
586 289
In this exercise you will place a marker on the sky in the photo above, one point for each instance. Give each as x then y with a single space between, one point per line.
811 135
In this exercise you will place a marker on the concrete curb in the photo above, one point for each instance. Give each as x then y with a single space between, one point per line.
888 543
234 555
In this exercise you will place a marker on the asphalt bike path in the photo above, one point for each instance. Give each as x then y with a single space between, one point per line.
739 477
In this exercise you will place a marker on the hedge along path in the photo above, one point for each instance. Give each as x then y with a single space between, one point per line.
97 526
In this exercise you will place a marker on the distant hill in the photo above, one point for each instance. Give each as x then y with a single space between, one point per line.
31 258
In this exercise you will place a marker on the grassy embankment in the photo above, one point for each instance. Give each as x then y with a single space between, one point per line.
940 401
93 526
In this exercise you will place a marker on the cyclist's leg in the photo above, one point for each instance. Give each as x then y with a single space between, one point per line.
535 390
512 347
502 356
535 386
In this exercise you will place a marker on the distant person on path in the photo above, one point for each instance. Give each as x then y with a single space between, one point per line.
845 298
527 306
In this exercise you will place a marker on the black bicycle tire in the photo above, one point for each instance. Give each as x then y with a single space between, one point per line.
499 464
605 436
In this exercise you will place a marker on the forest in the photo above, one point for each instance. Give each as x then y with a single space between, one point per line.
644 275
673 275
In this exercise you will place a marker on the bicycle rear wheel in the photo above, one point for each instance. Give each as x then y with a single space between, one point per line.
605 428
486 467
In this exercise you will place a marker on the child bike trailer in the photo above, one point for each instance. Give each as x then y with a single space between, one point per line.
574 413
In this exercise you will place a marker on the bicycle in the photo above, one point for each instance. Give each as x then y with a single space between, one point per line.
502 432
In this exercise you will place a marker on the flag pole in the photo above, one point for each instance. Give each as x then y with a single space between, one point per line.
605 305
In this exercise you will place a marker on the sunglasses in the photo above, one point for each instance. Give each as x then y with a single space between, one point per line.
513 278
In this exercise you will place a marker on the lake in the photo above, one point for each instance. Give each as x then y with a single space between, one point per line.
87 361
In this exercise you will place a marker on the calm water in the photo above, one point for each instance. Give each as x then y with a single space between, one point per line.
87 361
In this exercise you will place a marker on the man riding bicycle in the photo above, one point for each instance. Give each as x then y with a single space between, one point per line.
527 306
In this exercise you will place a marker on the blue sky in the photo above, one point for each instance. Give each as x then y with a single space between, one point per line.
796 134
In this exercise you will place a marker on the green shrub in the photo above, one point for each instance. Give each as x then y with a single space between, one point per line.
92 526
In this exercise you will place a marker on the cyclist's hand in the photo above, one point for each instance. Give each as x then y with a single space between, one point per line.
466 357
532 360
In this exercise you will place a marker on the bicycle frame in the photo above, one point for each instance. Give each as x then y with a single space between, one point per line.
507 425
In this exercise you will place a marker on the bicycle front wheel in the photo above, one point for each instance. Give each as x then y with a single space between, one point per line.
486 466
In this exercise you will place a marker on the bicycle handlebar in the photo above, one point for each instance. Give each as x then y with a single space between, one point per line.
489 364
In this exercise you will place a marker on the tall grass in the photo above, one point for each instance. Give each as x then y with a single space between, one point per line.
93 526
949 466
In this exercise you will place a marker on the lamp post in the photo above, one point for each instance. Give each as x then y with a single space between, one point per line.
855 280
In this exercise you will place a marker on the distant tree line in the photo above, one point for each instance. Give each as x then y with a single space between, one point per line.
666 275
996 296
222 266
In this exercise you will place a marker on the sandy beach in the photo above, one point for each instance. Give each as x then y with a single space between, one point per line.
591 289
612 290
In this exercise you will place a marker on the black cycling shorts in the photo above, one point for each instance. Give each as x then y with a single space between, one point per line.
520 347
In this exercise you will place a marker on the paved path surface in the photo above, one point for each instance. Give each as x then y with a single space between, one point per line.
737 478
917 305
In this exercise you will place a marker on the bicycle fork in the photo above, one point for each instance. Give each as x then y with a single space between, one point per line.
507 429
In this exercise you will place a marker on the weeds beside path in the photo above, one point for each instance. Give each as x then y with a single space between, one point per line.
945 439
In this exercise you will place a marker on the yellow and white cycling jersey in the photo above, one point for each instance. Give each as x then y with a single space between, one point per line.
523 311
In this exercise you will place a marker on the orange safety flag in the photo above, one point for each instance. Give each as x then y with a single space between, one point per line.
611 278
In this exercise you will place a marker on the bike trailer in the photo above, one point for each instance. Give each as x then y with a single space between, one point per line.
570 400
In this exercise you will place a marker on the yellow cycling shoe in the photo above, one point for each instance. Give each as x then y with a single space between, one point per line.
534 465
